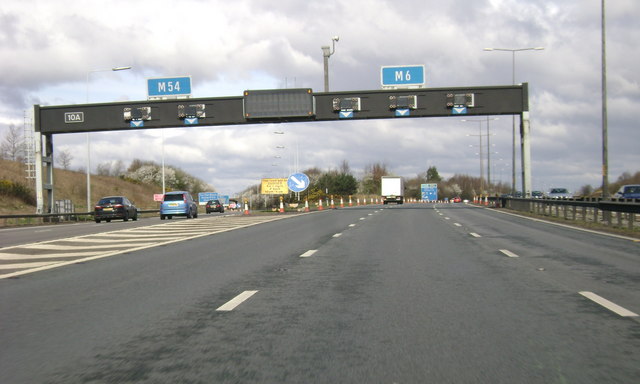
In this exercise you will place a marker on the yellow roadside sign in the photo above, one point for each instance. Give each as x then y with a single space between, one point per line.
274 187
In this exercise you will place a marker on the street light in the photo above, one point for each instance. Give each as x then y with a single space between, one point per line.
326 53
605 129
88 141
479 121
513 118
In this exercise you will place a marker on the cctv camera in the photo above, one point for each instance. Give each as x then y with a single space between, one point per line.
335 38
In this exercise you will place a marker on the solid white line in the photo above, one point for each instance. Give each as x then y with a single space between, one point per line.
474 234
566 226
608 304
25 265
233 303
309 253
508 253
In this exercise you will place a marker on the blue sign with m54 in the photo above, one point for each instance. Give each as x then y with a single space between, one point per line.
402 75
169 86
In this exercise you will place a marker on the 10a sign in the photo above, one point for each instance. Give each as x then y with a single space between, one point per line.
73 117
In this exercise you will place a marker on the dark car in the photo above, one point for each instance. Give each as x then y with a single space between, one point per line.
178 203
115 207
214 206
631 191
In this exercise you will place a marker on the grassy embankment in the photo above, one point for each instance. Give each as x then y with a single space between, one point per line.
71 185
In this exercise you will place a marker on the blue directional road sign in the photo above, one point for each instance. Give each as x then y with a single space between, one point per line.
298 182
169 86
402 76
203 197
429 192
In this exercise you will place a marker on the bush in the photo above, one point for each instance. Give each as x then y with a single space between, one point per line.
20 191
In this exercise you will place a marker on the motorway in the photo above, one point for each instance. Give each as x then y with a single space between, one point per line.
416 293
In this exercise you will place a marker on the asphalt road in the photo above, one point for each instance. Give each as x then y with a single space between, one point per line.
404 294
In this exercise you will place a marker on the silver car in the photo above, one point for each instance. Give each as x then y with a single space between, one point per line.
559 193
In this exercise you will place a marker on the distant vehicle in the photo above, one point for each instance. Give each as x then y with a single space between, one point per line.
178 203
457 199
115 207
631 191
392 189
214 206
559 193
537 194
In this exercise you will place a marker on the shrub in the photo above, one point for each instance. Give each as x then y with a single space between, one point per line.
20 191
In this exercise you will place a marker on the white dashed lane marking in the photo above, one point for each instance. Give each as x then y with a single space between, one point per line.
608 304
508 253
309 253
233 303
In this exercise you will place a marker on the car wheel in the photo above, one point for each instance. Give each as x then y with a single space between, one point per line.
135 216
189 213
98 221
126 216
108 220
169 217
195 215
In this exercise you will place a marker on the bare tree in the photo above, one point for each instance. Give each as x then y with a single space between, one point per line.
64 159
117 168
344 168
12 146
104 169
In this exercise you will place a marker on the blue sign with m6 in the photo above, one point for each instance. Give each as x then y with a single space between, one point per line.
169 86
406 75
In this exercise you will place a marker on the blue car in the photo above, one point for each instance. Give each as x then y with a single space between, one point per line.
178 203
631 191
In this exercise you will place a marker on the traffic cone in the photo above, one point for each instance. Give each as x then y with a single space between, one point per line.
246 208
281 206
350 202
341 202
333 206
306 205
320 208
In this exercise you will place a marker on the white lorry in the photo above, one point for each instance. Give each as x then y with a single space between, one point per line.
392 189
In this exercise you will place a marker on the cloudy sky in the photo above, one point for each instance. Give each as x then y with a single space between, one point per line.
59 53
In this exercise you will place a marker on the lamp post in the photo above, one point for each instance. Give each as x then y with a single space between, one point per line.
489 152
513 118
88 140
479 121
605 134
326 53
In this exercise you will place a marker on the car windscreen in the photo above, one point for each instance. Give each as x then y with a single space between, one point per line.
112 200
632 189
173 197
